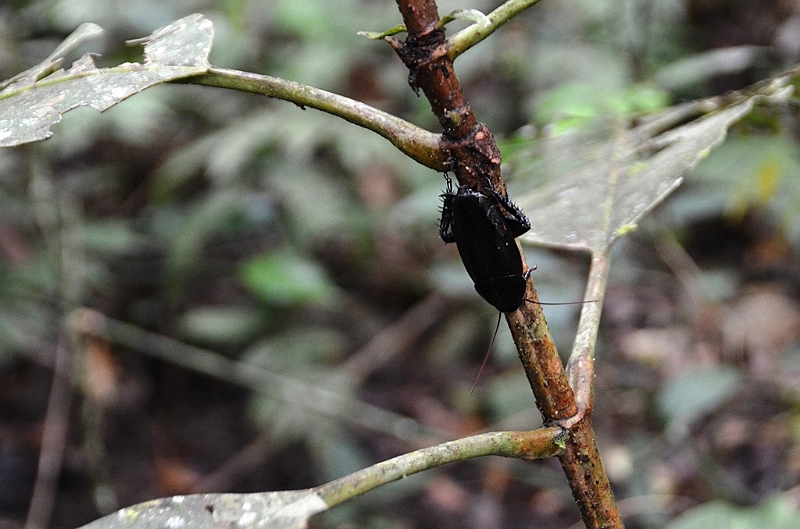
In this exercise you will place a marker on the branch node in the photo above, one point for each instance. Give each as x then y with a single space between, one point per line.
477 158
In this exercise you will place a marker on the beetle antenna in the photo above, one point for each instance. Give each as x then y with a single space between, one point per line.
488 352
528 273
562 303
497 328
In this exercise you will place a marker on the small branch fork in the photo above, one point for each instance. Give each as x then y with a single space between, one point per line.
475 159
537 444
472 151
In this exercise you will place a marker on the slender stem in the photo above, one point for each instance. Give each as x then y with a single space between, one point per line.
536 444
57 218
395 338
580 366
424 52
581 460
419 144
468 144
556 397
419 16
293 508
54 440
468 37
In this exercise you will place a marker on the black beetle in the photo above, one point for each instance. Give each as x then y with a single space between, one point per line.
484 225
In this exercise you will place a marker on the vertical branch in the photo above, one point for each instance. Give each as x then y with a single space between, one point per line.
475 159
54 439
587 477
581 362
431 69
59 404
581 459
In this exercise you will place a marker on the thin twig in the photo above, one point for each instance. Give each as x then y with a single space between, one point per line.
580 366
241 464
293 508
313 397
49 216
396 338
54 439
417 143
470 36
535 444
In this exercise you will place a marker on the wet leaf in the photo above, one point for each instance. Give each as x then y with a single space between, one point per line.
33 101
603 179
84 33
274 510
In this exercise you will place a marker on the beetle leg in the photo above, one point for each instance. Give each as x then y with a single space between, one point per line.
515 219
527 273
446 222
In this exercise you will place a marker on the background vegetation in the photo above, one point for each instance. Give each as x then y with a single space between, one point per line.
308 246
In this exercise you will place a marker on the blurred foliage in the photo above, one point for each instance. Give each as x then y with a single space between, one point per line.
580 104
777 513
687 396
752 171
289 239
285 279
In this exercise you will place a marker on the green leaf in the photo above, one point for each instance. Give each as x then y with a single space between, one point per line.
111 236
220 325
273 510
581 103
691 394
297 348
186 233
469 15
32 102
374 35
286 279
711 514
749 171
602 179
